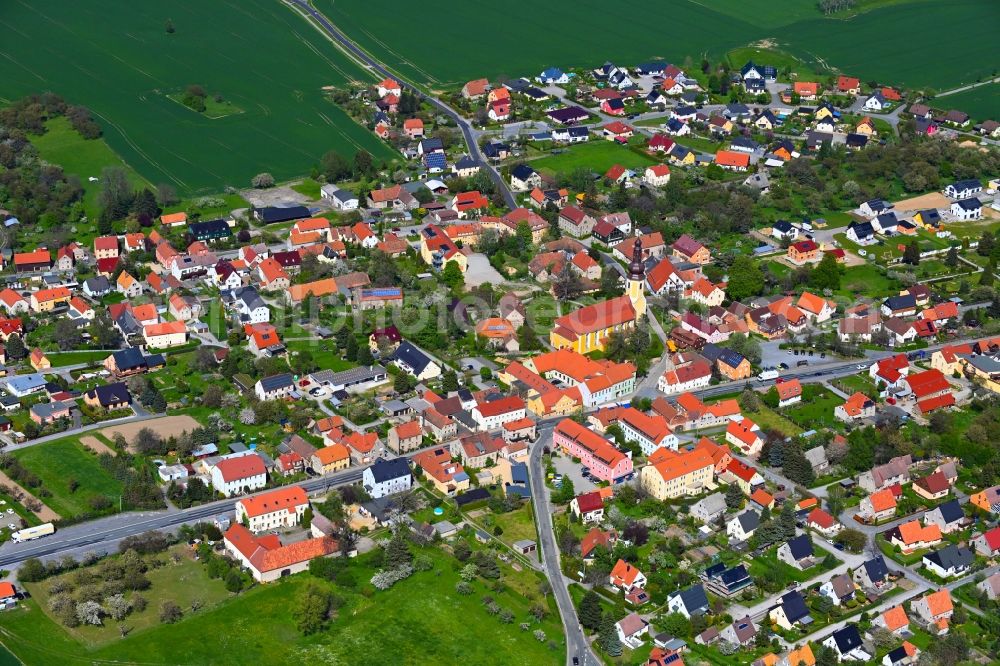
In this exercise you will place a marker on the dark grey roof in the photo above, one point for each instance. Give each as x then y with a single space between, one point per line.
967 184
466 162
794 606
129 358
431 144
784 226
694 598
970 204
97 284
474 495
749 520
800 546
862 229
902 302
387 470
110 394
876 569
847 639
275 382
271 214
411 356
735 578
522 172
731 358
209 229
951 511
952 557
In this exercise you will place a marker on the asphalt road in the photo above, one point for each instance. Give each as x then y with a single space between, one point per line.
467 130
576 643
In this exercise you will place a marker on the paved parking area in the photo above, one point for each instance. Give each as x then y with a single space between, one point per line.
564 465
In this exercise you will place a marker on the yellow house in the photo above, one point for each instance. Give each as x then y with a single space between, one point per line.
39 361
687 160
437 249
866 127
673 474
586 330
553 403
823 112
46 300
331 458
982 369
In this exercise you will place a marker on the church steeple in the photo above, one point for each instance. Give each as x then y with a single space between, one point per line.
637 279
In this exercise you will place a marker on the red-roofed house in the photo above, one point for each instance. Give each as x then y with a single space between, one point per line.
849 85
232 476
789 392
822 522
732 160
588 507
267 559
624 576
657 175
268 511
746 436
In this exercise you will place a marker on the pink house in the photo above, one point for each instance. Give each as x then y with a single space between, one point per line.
603 460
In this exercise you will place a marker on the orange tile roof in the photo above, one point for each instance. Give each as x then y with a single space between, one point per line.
267 554
56 293
674 464
762 497
789 389
164 328
106 243
895 618
10 297
173 218
856 403
145 312
802 656
821 518
883 500
806 87
272 270
597 317
939 602
34 257
914 532
624 573
732 158
334 453
409 430
282 499
7 590
244 467
299 292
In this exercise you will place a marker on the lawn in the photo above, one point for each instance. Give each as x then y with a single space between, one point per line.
422 617
815 410
181 582
596 155
516 525
60 359
767 419
866 279
323 352
857 383
982 103
217 319
62 460
120 62
308 187
84 158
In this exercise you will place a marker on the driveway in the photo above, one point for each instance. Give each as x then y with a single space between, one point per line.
574 472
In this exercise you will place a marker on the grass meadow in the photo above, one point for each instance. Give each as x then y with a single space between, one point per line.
982 103
422 618
119 61
58 462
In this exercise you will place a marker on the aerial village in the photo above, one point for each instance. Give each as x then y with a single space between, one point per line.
625 337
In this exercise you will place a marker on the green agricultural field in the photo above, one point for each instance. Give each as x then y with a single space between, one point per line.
58 462
118 60
962 35
597 155
982 103
63 145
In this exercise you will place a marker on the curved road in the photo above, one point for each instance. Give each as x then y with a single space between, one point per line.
354 50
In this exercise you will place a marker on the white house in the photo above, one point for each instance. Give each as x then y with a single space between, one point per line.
338 198
846 642
243 474
967 209
493 414
688 602
875 102
387 477
283 507
743 526
274 387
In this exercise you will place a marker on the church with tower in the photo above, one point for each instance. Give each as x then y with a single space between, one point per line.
586 330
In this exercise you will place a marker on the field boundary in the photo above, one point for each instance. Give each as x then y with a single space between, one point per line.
45 514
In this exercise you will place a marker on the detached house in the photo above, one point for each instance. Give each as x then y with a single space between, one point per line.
625 577
232 476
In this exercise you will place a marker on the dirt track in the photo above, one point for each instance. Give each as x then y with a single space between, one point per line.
931 200
97 446
45 514
166 426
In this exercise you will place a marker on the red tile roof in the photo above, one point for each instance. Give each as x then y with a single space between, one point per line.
282 499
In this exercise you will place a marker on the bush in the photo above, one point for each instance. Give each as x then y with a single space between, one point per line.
170 612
